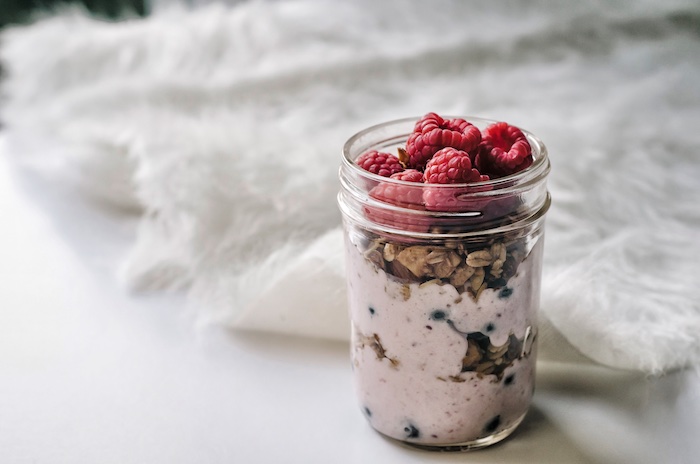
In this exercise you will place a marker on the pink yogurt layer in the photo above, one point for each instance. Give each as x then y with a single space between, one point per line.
407 353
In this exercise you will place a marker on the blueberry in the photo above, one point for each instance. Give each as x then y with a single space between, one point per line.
505 292
438 315
411 431
493 424
508 380
490 327
371 311
368 412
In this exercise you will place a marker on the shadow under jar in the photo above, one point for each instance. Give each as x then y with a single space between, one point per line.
443 304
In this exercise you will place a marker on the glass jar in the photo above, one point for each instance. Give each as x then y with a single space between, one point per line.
443 303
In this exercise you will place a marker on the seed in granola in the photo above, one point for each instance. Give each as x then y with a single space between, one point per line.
390 251
483 367
430 282
373 342
510 266
406 292
478 292
498 251
477 279
375 257
472 356
495 352
479 258
400 271
515 347
498 348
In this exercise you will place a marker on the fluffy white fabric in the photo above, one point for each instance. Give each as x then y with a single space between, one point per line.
222 129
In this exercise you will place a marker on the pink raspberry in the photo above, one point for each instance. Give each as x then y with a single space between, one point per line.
405 196
379 163
409 175
432 133
503 151
401 195
450 166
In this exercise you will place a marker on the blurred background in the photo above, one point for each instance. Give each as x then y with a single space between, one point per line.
21 11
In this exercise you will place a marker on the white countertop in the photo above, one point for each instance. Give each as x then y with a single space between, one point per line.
90 374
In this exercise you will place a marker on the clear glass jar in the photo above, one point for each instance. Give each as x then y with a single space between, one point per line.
443 304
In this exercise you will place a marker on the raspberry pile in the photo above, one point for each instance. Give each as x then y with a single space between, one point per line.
447 151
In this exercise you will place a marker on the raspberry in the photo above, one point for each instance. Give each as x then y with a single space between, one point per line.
450 166
432 133
409 175
503 151
379 163
401 195
405 196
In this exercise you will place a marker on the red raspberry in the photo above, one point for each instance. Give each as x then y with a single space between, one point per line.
450 166
432 133
503 151
405 196
379 163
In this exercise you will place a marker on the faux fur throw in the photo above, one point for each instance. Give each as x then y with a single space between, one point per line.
221 129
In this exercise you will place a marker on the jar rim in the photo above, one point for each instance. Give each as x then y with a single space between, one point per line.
539 168
520 224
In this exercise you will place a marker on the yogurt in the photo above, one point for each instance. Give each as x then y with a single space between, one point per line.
437 363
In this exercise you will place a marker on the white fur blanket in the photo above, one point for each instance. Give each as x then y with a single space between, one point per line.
221 129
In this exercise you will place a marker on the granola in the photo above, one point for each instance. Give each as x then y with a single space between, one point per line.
470 268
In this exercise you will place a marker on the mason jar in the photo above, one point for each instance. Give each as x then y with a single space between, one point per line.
443 303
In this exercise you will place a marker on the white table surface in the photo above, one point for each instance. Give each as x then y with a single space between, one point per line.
91 374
